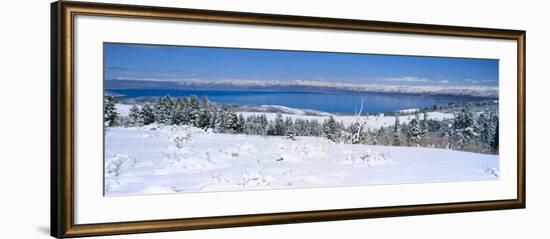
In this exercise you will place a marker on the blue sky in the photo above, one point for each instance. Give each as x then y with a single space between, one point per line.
174 63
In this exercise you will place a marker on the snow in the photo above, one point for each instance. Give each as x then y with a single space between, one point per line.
408 111
288 110
171 159
123 109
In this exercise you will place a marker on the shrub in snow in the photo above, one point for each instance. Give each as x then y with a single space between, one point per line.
118 165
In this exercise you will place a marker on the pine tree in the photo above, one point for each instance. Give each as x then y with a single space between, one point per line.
205 113
463 127
316 128
300 127
187 112
494 142
415 131
279 125
487 131
396 130
331 129
177 115
290 131
289 123
219 124
110 114
163 110
240 124
195 111
252 125
424 124
135 116
264 123
147 114
231 123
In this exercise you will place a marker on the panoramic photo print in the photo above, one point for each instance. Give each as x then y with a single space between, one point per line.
185 119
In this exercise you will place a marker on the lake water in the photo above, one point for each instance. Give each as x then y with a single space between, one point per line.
334 102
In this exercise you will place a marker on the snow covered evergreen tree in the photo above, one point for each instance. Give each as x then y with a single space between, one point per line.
396 131
463 127
289 123
424 123
240 124
177 115
331 129
279 127
220 121
110 114
252 125
195 111
135 116
205 113
487 130
315 128
415 131
163 110
232 123
264 123
187 112
147 114
494 142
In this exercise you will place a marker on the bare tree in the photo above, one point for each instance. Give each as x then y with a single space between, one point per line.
358 127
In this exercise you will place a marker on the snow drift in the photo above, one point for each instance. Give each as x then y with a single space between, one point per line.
170 159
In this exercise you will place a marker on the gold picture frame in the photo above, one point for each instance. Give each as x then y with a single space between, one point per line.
62 121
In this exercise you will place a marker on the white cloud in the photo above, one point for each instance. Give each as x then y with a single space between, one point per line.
407 79
472 81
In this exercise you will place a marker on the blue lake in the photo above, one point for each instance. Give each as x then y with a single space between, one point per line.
334 102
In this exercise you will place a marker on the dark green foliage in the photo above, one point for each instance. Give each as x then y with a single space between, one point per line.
232 123
279 128
163 110
177 114
110 114
463 130
240 124
333 129
415 131
147 114
135 116
396 131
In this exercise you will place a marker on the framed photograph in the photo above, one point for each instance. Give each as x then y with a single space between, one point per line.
169 119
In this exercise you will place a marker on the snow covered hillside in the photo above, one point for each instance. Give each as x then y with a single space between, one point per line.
169 159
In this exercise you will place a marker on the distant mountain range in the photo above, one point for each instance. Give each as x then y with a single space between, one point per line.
302 85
